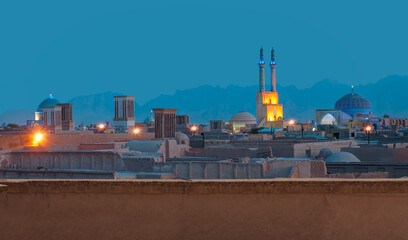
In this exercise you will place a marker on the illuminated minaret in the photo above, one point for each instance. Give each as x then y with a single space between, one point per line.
273 65
261 72
269 112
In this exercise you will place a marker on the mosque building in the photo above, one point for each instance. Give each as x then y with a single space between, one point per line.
352 111
269 113
50 101
56 116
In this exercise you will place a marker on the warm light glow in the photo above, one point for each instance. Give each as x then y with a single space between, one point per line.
101 126
38 138
291 122
368 128
194 128
136 130
270 98
274 112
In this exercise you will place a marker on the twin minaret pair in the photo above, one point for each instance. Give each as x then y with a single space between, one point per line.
269 112
262 71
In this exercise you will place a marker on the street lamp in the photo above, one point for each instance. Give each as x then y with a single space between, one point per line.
291 123
38 138
368 130
136 130
194 129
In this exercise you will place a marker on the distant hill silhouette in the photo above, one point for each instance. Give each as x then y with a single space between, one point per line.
207 102
19 117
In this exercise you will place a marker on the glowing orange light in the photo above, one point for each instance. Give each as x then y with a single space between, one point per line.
136 130
194 128
291 122
101 126
368 128
38 138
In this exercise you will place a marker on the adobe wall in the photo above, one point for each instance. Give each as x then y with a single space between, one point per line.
87 160
17 141
175 209
379 154
235 170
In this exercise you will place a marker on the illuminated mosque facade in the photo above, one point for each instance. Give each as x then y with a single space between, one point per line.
55 116
351 110
269 112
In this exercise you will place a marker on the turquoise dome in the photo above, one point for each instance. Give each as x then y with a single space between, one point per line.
48 102
353 104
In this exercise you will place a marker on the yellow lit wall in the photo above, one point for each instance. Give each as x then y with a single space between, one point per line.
38 116
237 126
273 113
270 98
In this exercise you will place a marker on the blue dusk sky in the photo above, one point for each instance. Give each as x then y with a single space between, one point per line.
148 48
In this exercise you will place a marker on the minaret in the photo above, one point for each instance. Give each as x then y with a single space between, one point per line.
261 72
273 65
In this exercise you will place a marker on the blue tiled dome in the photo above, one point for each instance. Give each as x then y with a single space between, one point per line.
353 104
48 102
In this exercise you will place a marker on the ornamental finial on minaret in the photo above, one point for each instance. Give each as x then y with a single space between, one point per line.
273 57
352 90
261 57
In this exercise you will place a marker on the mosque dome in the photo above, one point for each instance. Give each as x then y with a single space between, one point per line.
353 103
48 102
342 157
243 117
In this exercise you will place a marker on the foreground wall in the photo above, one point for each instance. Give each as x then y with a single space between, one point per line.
280 209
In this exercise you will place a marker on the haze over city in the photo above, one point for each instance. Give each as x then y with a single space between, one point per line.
203 120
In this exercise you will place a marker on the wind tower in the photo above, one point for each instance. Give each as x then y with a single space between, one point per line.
269 112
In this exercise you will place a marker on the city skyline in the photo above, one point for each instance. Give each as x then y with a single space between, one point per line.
78 50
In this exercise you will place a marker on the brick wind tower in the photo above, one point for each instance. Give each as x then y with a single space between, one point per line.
269 113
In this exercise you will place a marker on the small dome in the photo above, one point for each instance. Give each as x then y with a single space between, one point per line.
342 157
353 104
386 116
48 102
182 138
243 117
325 153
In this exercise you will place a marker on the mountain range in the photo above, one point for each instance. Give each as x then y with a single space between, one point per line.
204 103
